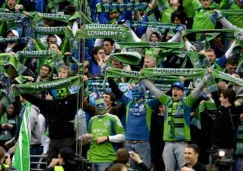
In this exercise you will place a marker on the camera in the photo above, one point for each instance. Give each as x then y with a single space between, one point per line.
83 164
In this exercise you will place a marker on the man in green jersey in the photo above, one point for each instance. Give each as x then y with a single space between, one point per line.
176 121
105 131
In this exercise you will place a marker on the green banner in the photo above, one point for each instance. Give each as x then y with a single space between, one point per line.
94 31
47 85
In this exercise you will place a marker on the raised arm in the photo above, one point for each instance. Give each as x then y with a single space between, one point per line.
152 87
196 92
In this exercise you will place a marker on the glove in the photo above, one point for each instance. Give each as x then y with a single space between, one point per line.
180 28
216 15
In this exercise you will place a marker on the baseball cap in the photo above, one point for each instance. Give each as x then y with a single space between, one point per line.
68 155
14 32
179 85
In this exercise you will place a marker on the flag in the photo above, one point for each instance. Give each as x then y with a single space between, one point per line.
21 159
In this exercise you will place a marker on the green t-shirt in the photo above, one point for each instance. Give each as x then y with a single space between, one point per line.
166 15
99 126
202 19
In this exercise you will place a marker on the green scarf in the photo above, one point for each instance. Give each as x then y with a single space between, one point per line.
56 17
34 88
5 100
165 45
113 31
55 59
194 58
8 58
116 73
50 30
4 16
13 40
170 74
228 77
211 34
53 3
176 120
132 58
227 12
129 6
206 105
4 118
155 25
37 54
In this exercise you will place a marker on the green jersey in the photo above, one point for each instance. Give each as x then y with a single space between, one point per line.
99 126
177 118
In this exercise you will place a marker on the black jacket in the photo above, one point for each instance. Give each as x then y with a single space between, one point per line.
226 120
60 113
198 167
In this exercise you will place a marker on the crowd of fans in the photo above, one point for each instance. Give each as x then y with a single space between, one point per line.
140 84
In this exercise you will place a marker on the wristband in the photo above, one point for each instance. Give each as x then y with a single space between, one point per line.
108 139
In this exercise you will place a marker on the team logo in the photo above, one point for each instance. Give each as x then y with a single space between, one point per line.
106 124
141 108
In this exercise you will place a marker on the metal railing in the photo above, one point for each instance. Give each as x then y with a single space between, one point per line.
39 164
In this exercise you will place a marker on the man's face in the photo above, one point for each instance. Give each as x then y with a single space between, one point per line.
211 57
11 4
63 73
44 72
10 109
205 3
231 68
137 92
52 40
223 100
190 156
154 38
107 47
100 106
149 63
177 21
60 161
11 35
116 64
107 99
177 93
100 54
53 47
114 15
174 2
